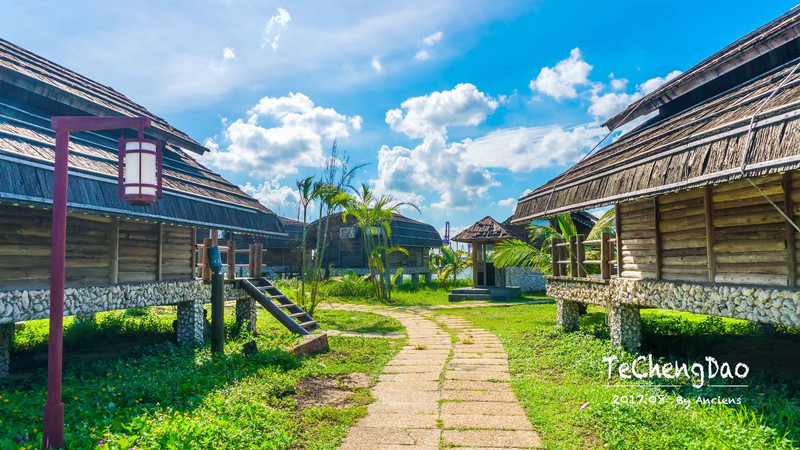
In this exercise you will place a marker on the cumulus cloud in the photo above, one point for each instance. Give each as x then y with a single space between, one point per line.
509 202
559 82
376 64
609 104
433 39
422 55
276 24
431 114
280 199
294 139
228 53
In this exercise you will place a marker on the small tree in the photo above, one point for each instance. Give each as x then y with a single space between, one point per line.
448 261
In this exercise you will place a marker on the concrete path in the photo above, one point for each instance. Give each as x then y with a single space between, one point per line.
442 391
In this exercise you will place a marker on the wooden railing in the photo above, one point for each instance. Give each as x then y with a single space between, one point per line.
569 258
255 257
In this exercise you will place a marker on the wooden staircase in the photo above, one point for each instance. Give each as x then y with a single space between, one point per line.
279 305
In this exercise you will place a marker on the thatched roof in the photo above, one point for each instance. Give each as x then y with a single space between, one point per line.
30 72
486 229
725 67
406 232
700 145
193 195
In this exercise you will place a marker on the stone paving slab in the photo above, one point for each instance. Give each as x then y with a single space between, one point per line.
415 410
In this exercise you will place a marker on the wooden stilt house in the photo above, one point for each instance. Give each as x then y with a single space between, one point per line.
118 256
706 194
345 247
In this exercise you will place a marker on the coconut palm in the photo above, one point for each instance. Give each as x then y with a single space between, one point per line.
536 254
448 261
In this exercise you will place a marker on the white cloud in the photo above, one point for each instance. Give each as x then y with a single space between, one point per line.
607 105
422 55
560 81
431 114
376 64
294 141
510 201
618 84
276 24
280 199
433 39
228 53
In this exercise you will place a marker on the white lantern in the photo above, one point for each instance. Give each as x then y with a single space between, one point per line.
139 171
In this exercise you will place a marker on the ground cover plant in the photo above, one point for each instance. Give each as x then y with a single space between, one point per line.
127 385
561 381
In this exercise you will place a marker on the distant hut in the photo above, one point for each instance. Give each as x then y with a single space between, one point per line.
706 194
118 256
345 248
486 278
283 254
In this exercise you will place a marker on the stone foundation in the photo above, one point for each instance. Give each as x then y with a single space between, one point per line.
6 339
246 314
625 327
528 280
567 315
623 297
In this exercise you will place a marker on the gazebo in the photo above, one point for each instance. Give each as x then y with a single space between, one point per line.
488 281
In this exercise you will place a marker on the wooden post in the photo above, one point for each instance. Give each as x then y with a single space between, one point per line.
708 203
160 253
554 255
214 238
618 226
573 256
217 312
562 256
788 208
251 260
605 255
206 272
259 254
657 238
474 264
231 260
113 263
193 264
581 256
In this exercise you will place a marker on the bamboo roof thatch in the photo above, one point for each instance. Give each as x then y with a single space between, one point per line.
406 232
701 145
486 229
725 67
193 195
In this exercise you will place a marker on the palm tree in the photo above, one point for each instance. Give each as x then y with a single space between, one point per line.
374 215
308 192
450 262
536 254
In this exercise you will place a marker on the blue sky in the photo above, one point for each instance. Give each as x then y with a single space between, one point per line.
458 106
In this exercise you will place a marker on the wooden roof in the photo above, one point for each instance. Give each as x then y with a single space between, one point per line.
721 67
701 145
193 195
406 232
30 72
486 229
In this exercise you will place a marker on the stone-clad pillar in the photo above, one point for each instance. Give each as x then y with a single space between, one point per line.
6 340
190 322
626 327
246 314
428 278
415 278
567 315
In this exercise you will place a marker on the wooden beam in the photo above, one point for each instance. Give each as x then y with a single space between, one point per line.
474 263
573 256
580 256
206 271
214 234
231 260
113 263
605 255
193 263
618 226
160 253
554 256
708 203
788 208
658 238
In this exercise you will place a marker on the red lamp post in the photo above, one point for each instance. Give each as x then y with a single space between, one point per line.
142 174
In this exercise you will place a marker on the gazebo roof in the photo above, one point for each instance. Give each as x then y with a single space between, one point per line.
486 229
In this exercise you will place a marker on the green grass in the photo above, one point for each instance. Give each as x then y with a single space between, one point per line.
160 395
555 374
359 322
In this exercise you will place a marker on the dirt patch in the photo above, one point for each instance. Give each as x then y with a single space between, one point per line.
330 391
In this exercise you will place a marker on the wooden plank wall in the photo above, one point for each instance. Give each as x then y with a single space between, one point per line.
138 251
682 232
176 254
749 233
25 247
637 231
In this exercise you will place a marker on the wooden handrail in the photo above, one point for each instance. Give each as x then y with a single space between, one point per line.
569 258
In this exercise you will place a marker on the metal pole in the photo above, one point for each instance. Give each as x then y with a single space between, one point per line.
53 429
217 312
